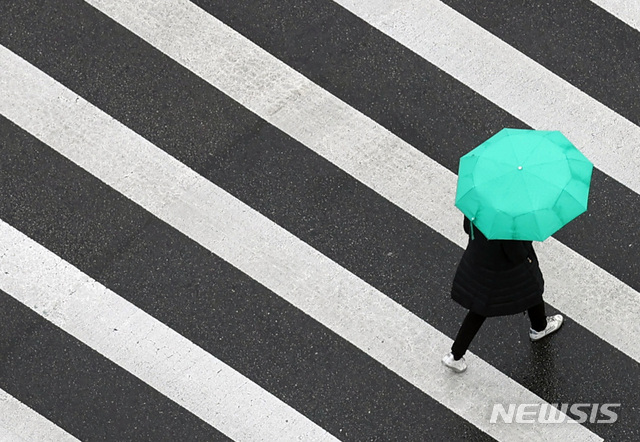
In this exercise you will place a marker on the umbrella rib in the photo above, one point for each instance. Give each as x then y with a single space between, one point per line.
558 188
498 179
545 163
537 226
534 149
461 197
573 197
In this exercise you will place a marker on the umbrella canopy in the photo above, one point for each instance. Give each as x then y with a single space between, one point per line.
523 184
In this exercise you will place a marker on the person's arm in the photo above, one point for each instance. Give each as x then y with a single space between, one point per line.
466 225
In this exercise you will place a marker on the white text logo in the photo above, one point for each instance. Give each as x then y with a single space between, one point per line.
554 413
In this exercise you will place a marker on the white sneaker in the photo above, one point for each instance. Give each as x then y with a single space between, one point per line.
458 366
553 324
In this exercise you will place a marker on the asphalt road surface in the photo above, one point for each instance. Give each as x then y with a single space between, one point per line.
234 220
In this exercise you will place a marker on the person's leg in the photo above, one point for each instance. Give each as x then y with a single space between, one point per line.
541 325
470 326
537 317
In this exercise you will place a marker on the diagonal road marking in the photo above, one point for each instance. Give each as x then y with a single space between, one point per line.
608 307
272 256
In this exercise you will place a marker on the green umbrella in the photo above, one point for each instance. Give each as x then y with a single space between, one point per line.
523 184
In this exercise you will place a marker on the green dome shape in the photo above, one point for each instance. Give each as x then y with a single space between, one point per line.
523 184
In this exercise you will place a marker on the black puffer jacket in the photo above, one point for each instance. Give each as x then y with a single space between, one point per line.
497 277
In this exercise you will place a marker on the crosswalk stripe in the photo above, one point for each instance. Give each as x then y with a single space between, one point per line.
419 103
510 79
201 297
628 12
95 239
430 319
20 423
78 389
582 48
365 150
144 346
280 261
458 118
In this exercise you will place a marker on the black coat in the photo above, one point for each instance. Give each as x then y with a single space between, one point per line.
497 277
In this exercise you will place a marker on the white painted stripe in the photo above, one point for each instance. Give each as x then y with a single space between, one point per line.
20 423
260 248
626 10
510 79
144 346
370 153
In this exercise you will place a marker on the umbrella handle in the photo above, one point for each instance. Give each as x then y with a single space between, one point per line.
472 235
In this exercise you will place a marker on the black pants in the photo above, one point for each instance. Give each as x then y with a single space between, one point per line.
473 321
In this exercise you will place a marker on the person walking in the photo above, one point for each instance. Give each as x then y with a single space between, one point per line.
497 278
